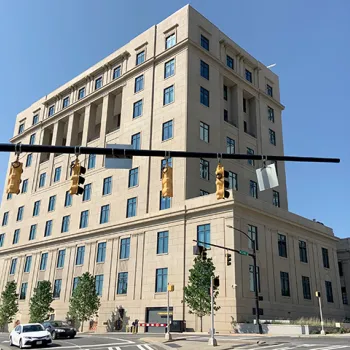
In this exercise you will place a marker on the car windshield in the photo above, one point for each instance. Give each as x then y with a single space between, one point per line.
59 324
33 328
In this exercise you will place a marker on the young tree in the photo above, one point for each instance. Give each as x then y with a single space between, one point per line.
9 306
84 302
197 291
40 303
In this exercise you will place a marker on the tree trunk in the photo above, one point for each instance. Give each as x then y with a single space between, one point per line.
82 326
201 317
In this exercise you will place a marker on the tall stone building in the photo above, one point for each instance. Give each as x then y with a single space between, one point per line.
180 85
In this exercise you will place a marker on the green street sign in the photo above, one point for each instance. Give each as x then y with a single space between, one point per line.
243 252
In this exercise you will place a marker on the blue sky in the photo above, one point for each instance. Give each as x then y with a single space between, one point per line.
46 43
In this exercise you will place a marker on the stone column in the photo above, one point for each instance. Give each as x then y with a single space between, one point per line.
52 155
86 125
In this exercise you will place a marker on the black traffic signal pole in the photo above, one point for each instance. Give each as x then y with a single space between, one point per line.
127 153
255 278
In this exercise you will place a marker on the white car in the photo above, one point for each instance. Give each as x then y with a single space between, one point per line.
26 335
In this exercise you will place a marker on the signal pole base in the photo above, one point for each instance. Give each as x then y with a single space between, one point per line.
168 337
212 342
323 332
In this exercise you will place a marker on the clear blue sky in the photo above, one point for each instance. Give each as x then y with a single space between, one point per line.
46 43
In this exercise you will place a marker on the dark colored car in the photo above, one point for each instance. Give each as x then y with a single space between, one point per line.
60 329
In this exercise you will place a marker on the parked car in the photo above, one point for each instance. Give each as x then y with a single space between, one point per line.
60 329
27 335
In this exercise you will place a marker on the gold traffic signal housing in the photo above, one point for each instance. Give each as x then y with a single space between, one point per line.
167 181
14 179
77 179
222 185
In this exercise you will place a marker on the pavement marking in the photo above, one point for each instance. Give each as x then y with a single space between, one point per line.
6 341
91 346
144 346
124 340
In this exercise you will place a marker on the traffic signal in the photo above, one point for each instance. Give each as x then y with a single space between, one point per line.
216 282
318 294
14 179
204 254
167 181
228 259
76 178
222 184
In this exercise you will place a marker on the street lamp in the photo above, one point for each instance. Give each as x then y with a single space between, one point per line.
255 278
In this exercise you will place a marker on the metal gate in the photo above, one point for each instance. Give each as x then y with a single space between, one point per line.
157 315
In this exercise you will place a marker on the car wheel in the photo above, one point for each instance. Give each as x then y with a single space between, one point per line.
71 336
20 344
11 344
53 335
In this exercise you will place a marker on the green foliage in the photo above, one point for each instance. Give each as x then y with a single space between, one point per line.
40 303
9 306
84 302
197 295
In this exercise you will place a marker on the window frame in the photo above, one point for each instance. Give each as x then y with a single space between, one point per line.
133 203
171 65
204 97
167 130
205 43
204 70
169 95
104 214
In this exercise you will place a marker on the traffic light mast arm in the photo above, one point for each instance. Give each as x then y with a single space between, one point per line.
225 248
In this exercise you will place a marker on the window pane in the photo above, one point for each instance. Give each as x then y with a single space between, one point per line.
167 132
168 95
162 242
169 68
203 235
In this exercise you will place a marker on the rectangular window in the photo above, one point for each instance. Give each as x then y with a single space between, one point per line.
229 62
140 57
250 161
204 132
162 242
32 232
107 186
20 128
204 96
329 292
303 251
98 83
138 83
137 111
68 199
9 196
81 93
164 202
23 292
104 216
75 284
60 258
164 163
170 41
131 207
79 259
225 92
225 115
84 219
65 102
35 119
25 186
169 68
122 287
42 180
275 198
248 75
282 245
230 145
52 202
2 239
57 289
205 42
167 130
272 137
20 212
101 252
306 287
116 72
203 193
136 141
48 228
28 264
325 258
340 268
271 114
51 111
124 248
168 95
204 70
251 278
269 90
232 180
285 291
253 234
43 261
87 192
204 169
13 266
36 209
29 160
133 177
99 284
16 236
92 161
5 218
57 175
244 105
253 189
65 223
32 139
344 295
203 235
161 280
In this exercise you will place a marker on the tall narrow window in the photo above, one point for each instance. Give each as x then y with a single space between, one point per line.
133 177
137 110
275 198
32 232
104 215
251 278
65 223
253 234
29 160
81 93
28 264
48 228
87 193
65 102
205 42
124 248
92 161
253 189
20 212
204 96
42 179
204 132
282 245
167 131
203 235
329 292
162 242
35 119
5 218
232 180
229 62
272 136
98 83
99 284
164 202
84 219
57 288
204 70
285 291
248 75
60 258
116 72
170 41
36 209
13 266
168 95
136 141
269 90
79 259
271 114
230 145
225 92
161 280
251 152
68 199
138 83
303 251
51 111
43 261
140 57
101 252
2 239
122 287
52 203
131 207
204 169
325 258
25 186
169 68
306 287
16 236
107 186
23 292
